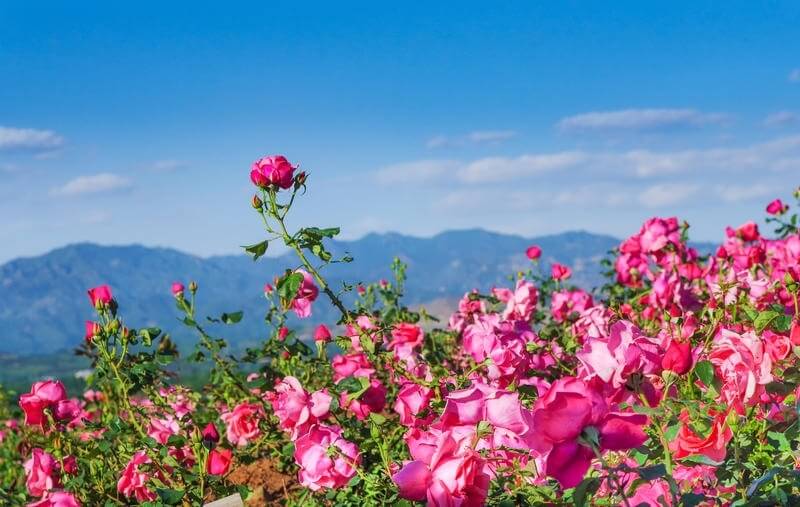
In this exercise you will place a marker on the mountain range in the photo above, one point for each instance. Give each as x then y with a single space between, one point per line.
43 301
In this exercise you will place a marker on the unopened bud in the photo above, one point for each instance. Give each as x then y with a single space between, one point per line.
300 179
192 287
257 203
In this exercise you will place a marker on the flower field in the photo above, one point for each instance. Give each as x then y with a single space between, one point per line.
675 384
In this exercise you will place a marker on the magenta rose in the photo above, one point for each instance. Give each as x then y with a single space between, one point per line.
273 171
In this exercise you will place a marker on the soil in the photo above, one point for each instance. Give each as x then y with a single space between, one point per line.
268 486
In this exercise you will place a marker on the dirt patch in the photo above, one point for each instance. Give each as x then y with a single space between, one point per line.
269 486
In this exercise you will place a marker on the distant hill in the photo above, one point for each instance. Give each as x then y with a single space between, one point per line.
43 301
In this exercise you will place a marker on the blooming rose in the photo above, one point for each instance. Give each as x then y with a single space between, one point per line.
101 294
372 400
614 359
411 400
405 338
521 303
560 272
689 443
219 460
453 474
566 302
295 408
47 394
41 473
748 231
162 429
133 482
272 171
743 365
350 365
57 499
326 459
242 423
306 294
564 413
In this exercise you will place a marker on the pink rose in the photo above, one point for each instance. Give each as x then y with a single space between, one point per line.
743 365
564 303
657 233
412 399
306 294
405 338
522 302
322 334
350 365
372 400
778 346
560 272
44 395
688 443
92 329
533 252
219 461
776 207
177 289
133 482
678 357
272 171
41 473
295 408
100 294
564 413
242 423
453 474
57 499
748 231
162 429
326 459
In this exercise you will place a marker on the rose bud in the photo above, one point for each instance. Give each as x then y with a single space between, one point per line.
210 434
678 357
268 289
322 334
257 203
283 332
192 287
177 289
533 252
219 460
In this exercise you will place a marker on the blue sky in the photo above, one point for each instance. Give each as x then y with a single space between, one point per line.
138 123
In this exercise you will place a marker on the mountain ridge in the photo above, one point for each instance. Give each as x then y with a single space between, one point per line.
43 301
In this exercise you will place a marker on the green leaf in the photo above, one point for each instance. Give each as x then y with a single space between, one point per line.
652 472
232 318
702 459
585 490
170 496
705 372
257 250
756 484
289 285
764 319
377 418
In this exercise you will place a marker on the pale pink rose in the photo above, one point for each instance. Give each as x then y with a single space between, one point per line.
162 429
41 472
325 458
372 400
522 302
272 171
242 423
306 294
777 345
133 481
743 365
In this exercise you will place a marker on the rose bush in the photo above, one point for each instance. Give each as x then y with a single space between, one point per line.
676 383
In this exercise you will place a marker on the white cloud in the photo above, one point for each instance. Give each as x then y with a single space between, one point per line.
28 139
666 194
781 118
475 137
103 182
738 193
417 171
794 76
639 119
505 169
167 165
